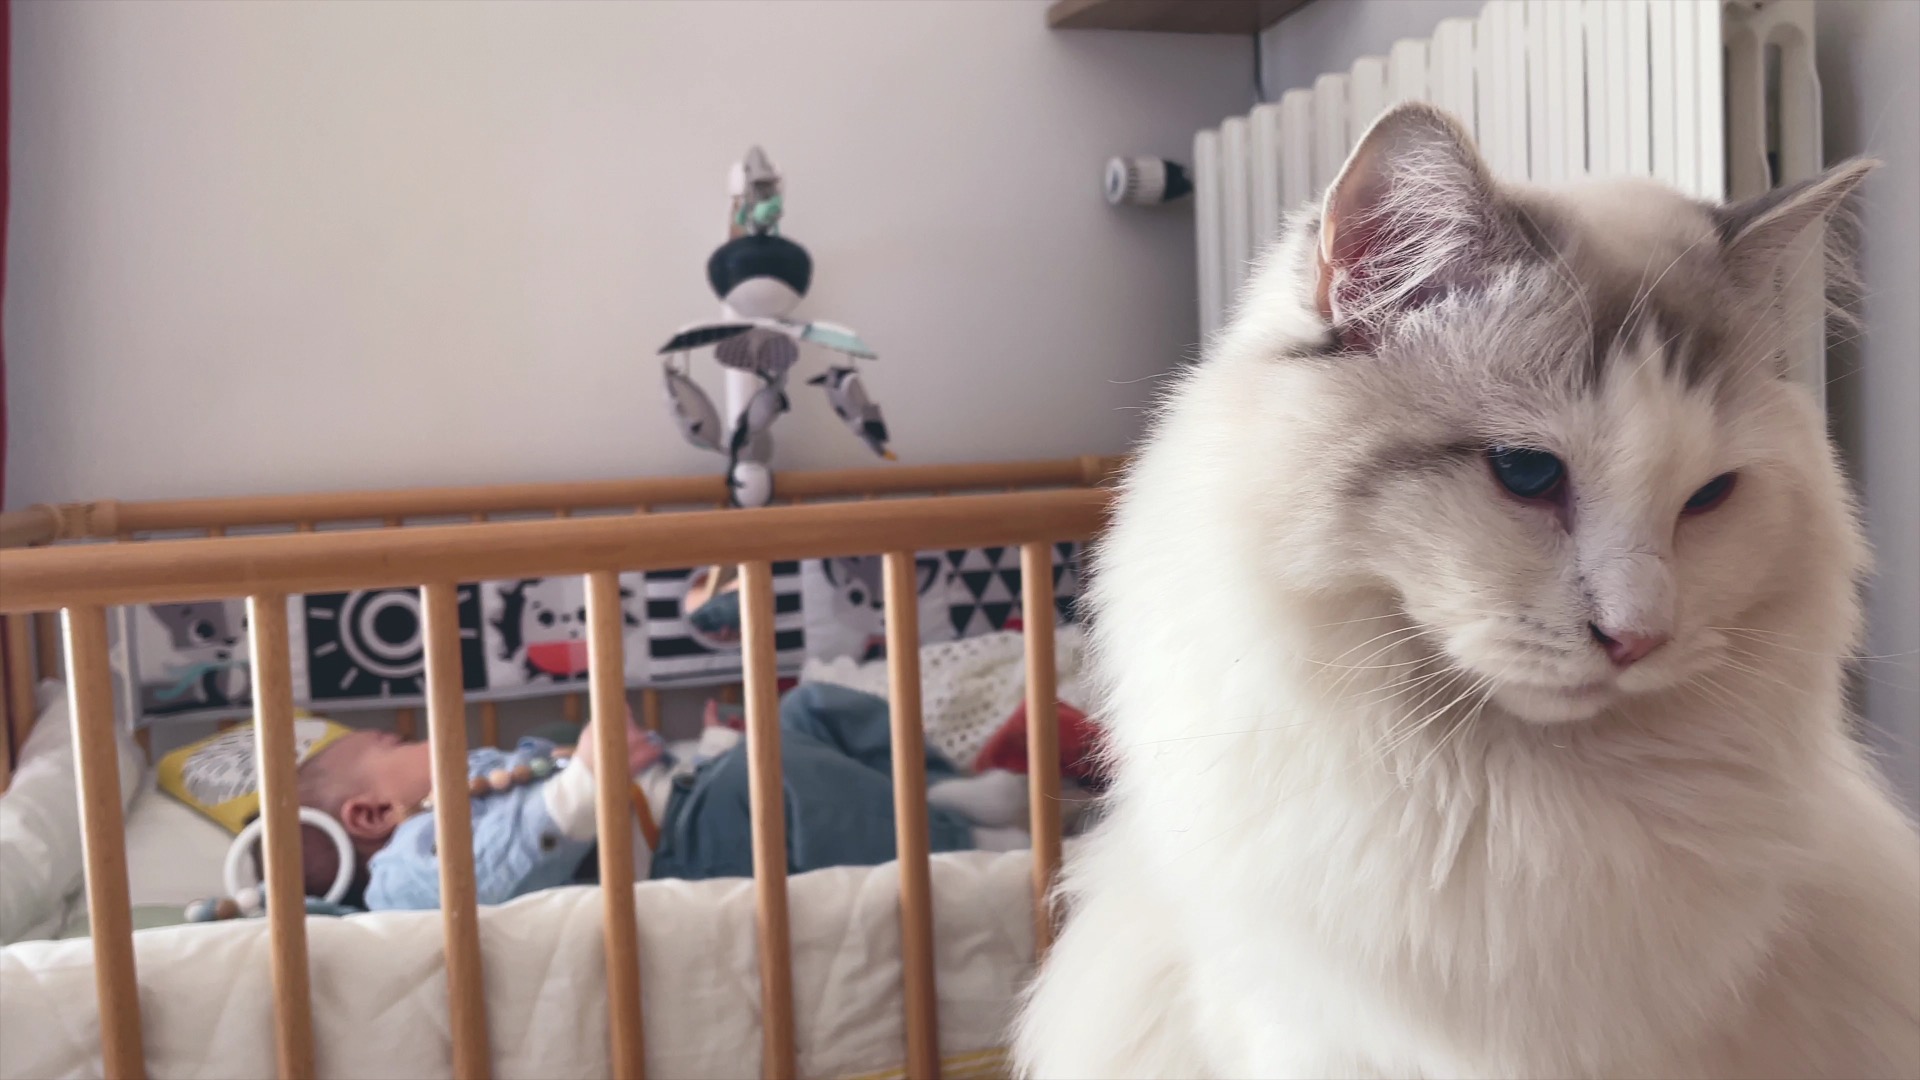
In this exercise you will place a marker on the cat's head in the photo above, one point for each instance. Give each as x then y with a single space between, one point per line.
1559 427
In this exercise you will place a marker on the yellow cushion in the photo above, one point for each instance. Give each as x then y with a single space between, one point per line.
216 775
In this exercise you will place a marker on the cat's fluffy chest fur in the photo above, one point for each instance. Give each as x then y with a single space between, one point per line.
1302 876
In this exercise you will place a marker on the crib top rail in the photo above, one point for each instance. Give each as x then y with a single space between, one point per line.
110 519
200 569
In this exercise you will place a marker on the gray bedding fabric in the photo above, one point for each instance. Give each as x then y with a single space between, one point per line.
145 917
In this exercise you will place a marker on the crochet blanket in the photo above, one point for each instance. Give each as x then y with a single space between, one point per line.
969 687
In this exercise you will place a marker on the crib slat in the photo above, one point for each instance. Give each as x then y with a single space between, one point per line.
453 831
613 817
15 725
910 814
21 700
406 723
489 724
1043 734
6 738
570 709
650 708
104 842
46 629
280 806
6 744
768 806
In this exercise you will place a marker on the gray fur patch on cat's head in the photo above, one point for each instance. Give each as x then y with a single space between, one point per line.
1415 237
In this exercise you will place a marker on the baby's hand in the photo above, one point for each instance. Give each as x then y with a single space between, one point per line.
644 748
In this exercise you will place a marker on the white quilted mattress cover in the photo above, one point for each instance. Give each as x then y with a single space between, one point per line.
379 991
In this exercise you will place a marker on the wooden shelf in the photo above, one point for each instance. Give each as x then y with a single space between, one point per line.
1170 16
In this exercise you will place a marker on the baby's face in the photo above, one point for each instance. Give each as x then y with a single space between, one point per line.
382 767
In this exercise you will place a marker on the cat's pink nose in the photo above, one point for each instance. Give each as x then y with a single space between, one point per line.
1625 647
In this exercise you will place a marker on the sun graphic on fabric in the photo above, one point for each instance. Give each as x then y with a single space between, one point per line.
369 643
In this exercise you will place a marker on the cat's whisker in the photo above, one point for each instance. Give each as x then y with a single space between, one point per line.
1400 688
1348 676
1344 674
1400 685
1356 622
1448 670
1759 326
1565 273
1771 678
1661 349
1414 630
1156 377
1645 294
1488 685
1263 729
1710 689
1402 730
1435 717
1408 732
1756 630
1404 685
1398 638
1765 678
1397 664
1850 657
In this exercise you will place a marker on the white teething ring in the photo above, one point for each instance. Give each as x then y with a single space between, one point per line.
243 844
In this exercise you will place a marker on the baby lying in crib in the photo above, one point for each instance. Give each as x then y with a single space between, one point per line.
530 836
836 753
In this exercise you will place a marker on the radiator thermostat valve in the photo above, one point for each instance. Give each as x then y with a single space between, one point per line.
1145 181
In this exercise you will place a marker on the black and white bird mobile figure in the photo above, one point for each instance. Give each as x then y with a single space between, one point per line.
854 408
760 277
699 421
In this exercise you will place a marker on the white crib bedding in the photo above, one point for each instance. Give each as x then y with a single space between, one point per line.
40 855
379 992
174 857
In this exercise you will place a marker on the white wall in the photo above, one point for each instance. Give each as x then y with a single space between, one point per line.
276 247
1332 34
1870 99
1871 96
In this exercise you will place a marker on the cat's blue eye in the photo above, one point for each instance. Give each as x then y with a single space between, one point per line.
1529 474
1711 494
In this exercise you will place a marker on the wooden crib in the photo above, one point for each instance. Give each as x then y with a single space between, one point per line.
80 559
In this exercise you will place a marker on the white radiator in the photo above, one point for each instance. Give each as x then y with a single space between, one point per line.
1717 97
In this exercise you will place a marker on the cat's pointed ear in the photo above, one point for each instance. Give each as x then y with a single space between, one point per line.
1754 234
1403 221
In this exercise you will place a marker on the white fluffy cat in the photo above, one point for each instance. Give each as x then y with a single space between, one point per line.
1474 625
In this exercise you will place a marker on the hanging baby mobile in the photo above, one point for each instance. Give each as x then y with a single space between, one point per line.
760 276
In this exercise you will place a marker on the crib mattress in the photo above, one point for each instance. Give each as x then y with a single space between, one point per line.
379 990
